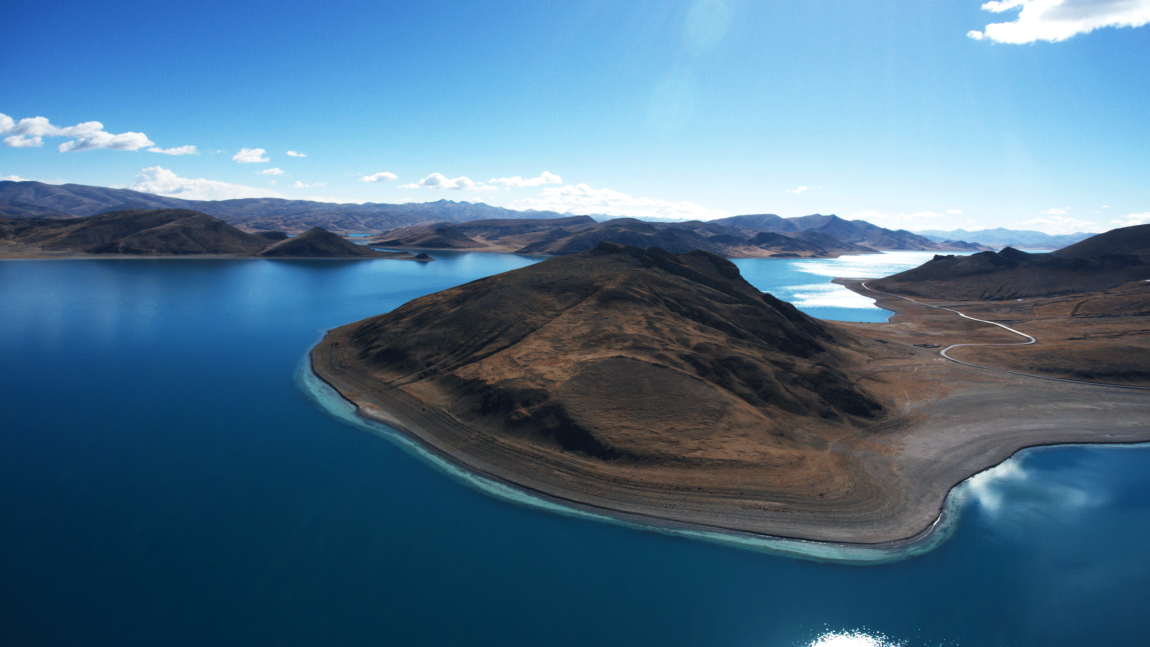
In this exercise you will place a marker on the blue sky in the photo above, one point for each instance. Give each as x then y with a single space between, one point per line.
1022 113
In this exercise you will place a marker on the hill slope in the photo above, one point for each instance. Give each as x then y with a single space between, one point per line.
1102 262
140 232
320 243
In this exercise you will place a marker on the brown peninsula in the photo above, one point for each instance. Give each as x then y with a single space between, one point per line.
665 390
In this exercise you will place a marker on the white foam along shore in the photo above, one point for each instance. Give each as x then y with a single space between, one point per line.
339 407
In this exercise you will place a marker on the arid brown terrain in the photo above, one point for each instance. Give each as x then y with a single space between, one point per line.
740 237
168 232
665 390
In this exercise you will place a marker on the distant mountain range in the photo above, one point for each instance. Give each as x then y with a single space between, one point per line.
168 232
1100 262
1002 237
738 237
858 232
33 199
817 234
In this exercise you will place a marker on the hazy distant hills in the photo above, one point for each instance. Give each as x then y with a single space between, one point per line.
858 232
796 237
33 199
1101 262
815 235
165 232
1002 237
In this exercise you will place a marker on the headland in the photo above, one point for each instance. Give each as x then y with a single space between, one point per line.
664 390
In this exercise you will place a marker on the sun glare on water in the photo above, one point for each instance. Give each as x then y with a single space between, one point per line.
852 639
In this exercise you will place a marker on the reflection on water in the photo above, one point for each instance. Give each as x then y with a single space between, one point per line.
165 483
806 282
853 639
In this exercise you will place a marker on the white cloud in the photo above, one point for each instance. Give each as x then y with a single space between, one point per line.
271 171
1060 225
921 215
581 198
1133 219
545 178
13 178
250 156
798 190
295 154
379 177
871 214
440 181
303 185
161 181
955 212
179 150
29 133
1058 20
23 141
1056 212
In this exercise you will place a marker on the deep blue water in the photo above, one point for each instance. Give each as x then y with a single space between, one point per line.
163 481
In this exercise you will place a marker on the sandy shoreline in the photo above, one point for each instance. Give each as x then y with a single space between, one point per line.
330 399
956 421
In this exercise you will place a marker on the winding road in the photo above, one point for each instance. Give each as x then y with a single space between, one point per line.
1029 340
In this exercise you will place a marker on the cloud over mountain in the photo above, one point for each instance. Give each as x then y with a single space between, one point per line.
581 198
440 181
544 178
161 181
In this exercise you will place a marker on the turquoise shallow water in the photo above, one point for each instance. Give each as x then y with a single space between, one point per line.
164 481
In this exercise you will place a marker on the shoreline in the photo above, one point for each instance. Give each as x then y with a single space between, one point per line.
937 533
328 398
912 466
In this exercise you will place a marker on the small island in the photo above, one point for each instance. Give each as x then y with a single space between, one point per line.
665 390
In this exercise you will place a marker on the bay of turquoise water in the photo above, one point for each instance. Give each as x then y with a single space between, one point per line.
164 481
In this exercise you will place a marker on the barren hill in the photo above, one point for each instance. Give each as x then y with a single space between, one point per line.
1102 262
320 243
164 232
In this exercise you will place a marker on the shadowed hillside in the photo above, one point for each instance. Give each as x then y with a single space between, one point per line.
1101 262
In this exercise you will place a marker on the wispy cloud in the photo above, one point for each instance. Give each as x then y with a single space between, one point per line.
581 198
1058 20
295 154
13 178
1057 212
303 185
271 171
250 156
379 177
179 150
1061 225
30 133
797 190
440 181
871 214
544 178
161 181
1133 219
954 212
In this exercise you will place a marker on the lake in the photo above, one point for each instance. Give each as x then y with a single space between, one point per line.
164 480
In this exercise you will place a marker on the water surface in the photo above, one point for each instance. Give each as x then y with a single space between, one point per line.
163 481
